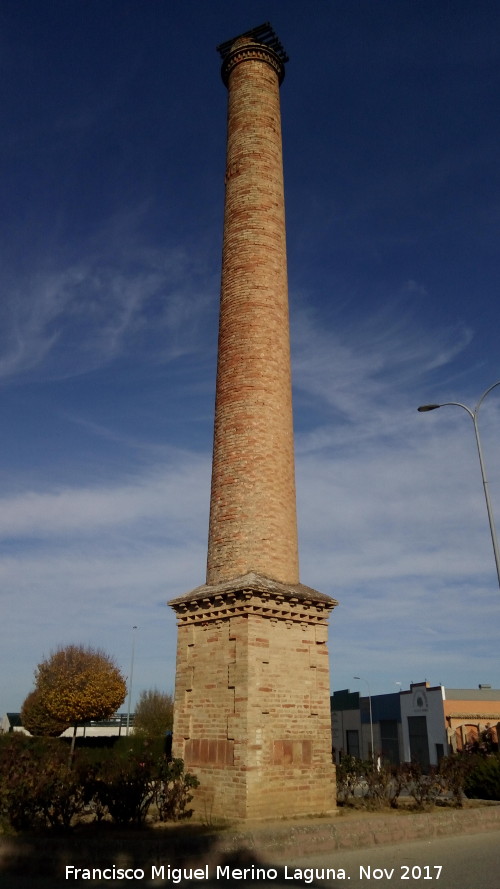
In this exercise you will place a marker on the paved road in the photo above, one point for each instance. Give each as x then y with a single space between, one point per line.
467 862
462 862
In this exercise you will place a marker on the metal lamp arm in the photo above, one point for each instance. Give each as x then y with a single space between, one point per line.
474 415
459 404
489 508
483 396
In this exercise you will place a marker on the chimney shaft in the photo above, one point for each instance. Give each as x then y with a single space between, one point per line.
253 523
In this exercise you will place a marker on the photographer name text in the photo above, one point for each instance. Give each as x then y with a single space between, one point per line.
166 873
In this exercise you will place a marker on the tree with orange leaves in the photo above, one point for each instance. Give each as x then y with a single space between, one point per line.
37 720
77 684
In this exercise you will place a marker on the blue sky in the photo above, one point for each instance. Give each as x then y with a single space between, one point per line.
111 177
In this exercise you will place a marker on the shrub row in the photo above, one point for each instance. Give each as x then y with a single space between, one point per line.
39 788
483 780
456 776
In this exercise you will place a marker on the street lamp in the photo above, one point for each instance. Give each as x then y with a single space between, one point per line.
130 680
371 715
473 414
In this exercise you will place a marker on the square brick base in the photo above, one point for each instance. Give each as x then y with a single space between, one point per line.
252 703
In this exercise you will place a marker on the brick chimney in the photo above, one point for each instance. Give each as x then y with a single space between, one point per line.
252 706
253 524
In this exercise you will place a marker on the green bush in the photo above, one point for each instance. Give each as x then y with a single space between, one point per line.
20 762
349 772
383 785
453 771
135 776
39 789
360 783
124 780
125 789
483 780
173 791
138 746
61 790
424 785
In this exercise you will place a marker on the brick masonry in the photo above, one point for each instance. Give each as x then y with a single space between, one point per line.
252 702
253 513
252 706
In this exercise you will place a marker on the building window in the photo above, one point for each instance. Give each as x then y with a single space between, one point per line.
352 742
419 743
389 741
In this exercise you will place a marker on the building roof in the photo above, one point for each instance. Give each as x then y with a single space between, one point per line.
472 694
344 700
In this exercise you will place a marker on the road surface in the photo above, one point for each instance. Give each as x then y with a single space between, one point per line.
461 862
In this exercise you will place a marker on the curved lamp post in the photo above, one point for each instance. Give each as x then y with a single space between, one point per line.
371 715
473 415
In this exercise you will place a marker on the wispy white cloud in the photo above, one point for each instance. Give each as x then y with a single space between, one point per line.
360 369
75 319
27 316
91 511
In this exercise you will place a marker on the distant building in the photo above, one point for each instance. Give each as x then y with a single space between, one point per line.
422 723
468 712
346 723
115 725
352 728
11 722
